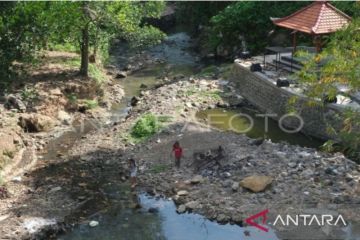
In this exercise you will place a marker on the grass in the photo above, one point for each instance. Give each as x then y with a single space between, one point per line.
95 72
91 103
29 94
190 92
216 95
208 71
65 47
72 97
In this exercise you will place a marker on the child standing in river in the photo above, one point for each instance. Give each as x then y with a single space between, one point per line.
178 153
133 172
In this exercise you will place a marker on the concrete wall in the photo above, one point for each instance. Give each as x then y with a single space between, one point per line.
259 90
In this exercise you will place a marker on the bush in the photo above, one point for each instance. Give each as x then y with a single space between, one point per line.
145 126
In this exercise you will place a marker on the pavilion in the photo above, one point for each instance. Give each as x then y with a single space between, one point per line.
317 19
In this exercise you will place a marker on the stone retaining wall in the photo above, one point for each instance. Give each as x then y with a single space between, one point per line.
259 90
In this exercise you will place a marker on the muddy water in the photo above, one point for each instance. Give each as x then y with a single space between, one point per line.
246 121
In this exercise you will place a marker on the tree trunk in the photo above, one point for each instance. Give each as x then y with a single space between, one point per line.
85 51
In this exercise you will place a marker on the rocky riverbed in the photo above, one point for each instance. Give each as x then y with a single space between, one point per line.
223 175
250 175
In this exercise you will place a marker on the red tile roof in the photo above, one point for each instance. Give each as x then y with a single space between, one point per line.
320 17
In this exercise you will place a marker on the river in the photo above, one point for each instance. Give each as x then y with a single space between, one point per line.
120 220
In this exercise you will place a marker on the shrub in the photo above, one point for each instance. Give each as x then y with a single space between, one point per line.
145 126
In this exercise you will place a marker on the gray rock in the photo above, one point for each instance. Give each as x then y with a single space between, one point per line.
227 174
182 193
134 101
227 183
307 173
121 74
192 205
221 218
93 223
197 179
235 186
14 102
55 189
292 164
181 209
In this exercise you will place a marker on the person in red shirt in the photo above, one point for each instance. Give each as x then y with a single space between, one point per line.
178 153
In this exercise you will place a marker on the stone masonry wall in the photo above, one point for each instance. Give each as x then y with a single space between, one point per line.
270 99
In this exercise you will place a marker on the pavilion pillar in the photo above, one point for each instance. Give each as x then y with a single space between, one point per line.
294 42
317 43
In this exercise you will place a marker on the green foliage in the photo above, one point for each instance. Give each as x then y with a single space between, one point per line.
251 20
216 95
145 37
146 126
22 33
26 27
191 91
72 98
97 74
129 22
65 47
338 64
91 103
194 14
208 71
29 94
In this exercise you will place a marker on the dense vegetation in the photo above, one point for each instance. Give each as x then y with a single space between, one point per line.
225 24
87 27
340 62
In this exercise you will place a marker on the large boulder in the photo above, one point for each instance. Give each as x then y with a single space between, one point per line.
256 183
36 122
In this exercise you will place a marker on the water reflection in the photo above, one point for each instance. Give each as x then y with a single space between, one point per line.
162 223
233 120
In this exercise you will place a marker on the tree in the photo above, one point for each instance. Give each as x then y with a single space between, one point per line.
21 34
338 65
26 27
251 19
